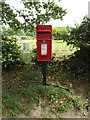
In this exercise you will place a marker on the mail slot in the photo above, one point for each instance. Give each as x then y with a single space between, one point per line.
44 42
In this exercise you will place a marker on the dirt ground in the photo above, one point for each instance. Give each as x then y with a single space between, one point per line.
80 88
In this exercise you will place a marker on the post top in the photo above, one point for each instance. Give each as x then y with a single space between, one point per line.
44 27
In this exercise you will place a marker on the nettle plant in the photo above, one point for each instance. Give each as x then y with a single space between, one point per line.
10 52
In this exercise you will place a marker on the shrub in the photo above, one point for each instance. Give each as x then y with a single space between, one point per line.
10 52
26 38
80 35
59 33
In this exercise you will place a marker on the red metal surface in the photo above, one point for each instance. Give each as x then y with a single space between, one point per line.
44 36
44 31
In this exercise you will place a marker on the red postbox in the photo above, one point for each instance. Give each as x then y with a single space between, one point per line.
44 42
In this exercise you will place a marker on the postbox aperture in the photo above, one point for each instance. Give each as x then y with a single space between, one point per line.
44 42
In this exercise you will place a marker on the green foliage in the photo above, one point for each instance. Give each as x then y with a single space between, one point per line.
65 106
29 34
4 30
59 33
79 36
78 64
10 31
20 32
36 91
79 61
23 88
8 16
33 77
32 14
77 102
26 38
13 103
10 52
32 34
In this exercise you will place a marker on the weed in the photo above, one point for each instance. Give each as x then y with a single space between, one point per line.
53 110
14 74
65 106
59 115
11 103
40 101
63 93
31 76
29 86
76 102
84 113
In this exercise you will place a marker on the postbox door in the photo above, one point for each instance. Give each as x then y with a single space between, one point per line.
44 50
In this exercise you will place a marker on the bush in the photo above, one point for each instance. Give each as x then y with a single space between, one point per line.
59 33
80 35
78 63
10 52
26 38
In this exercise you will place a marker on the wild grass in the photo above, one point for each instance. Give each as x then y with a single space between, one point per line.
59 47
24 87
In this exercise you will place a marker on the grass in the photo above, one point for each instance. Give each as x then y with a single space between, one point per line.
24 87
56 44
12 103
59 47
